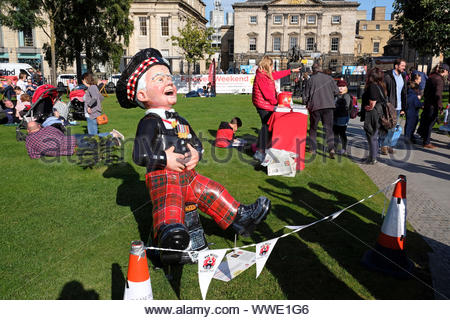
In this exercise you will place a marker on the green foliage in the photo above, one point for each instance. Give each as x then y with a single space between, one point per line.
20 14
194 41
96 27
425 24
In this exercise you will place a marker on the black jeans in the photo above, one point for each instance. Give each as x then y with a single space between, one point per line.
326 116
340 132
265 137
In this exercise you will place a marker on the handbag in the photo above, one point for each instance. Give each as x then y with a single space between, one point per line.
392 136
388 118
102 119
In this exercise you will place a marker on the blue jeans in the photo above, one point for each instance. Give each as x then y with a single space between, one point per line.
92 128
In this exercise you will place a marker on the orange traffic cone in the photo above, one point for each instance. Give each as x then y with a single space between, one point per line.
389 256
138 286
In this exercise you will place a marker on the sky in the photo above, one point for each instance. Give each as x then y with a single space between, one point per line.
364 5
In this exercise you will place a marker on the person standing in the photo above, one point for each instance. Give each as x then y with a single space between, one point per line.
92 102
319 99
413 105
341 116
432 103
371 110
264 98
396 84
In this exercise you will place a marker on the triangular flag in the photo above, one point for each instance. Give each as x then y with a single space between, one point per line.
208 262
263 251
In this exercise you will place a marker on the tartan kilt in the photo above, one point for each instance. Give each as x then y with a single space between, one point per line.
169 190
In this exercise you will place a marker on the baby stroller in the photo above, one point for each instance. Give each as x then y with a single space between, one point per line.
76 105
41 108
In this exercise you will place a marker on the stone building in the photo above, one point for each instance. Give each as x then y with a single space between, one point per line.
322 29
24 47
372 35
155 21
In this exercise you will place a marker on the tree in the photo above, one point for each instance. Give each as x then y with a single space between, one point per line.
23 15
425 24
195 43
94 27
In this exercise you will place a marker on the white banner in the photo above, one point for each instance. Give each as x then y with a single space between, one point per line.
208 261
263 251
225 83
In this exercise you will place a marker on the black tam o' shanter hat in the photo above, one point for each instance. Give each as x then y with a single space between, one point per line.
127 85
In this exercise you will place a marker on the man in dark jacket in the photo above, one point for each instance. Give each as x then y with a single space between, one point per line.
432 103
319 99
396 86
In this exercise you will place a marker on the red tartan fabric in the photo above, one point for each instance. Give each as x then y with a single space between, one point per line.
170 190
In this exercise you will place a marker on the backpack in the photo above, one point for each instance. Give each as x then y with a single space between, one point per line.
354 109
388 118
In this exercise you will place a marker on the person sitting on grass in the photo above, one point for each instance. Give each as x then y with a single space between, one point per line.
51 142
9 111
226 133
169 149
23 105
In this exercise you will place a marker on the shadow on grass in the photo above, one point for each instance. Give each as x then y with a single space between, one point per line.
338 249
133 193
74 290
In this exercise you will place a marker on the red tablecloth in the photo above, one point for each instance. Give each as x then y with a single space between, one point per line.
289 133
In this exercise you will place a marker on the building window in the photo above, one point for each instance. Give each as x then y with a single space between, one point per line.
376 47
390 27
377 27
165 26
293 42
334 44
142 26
335 19
310 43
364 26
276 43
253 19
359 47
311 20
26 38
252 44
165 53
294 19
277 19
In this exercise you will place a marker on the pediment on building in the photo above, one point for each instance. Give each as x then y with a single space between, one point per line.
335 34
252 34
295 2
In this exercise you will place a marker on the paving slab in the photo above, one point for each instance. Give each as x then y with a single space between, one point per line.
428 192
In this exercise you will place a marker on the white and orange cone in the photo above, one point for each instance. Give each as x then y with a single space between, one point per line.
138 285
389 255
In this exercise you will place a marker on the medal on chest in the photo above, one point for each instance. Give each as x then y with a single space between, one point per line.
183 131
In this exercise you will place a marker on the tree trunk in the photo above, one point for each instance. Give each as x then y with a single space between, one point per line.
53 51
78 65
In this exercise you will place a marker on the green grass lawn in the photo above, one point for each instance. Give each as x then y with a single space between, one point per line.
66 231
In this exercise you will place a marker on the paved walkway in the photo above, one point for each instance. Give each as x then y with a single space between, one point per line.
428 193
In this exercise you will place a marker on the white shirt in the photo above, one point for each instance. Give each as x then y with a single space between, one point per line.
162 113
22 84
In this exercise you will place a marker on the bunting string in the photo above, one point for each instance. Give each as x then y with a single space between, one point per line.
294 229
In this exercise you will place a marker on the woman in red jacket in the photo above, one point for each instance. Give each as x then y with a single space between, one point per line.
264 98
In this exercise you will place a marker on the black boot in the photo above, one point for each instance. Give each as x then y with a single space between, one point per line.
249 216
172 236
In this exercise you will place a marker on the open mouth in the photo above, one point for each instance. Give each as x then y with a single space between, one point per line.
169 93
